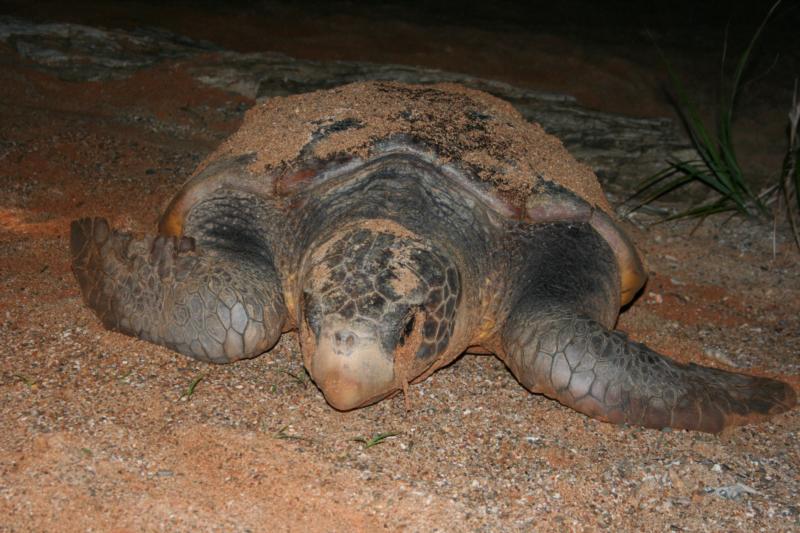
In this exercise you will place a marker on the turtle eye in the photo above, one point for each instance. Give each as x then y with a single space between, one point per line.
408 327
311 313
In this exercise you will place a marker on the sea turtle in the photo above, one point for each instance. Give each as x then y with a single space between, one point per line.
396 227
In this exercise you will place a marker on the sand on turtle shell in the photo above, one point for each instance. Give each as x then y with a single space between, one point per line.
483 136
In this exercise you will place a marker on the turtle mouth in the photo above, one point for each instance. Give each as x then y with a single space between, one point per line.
350 367
346 395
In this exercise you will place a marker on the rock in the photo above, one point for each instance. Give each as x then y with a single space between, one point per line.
621 150
731 492
83 53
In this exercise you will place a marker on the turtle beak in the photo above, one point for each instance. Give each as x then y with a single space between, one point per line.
350 366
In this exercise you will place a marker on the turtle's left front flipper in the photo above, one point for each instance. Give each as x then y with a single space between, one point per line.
601 373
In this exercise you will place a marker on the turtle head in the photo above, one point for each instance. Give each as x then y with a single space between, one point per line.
377 309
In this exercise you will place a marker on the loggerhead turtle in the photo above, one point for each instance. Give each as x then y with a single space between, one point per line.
396 227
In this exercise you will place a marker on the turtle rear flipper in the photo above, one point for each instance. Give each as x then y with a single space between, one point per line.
201 303
601 373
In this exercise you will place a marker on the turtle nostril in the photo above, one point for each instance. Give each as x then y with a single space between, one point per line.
344 340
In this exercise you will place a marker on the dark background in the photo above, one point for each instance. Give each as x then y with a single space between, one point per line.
610 55
689 26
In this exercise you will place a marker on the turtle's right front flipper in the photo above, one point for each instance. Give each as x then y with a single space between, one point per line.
202 303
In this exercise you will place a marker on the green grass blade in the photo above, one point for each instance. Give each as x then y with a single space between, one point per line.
723 187
745 58
648 183
702 211
192 386
282 435
744 192
718 167
668 186
376 439
709 177
30 383
702 140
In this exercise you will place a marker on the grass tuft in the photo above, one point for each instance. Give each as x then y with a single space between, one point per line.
300 378
192 386
718 166
30 383
282 435
376 439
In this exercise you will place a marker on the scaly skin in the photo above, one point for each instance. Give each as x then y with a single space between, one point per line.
557 341
344 285
199 303
600 373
